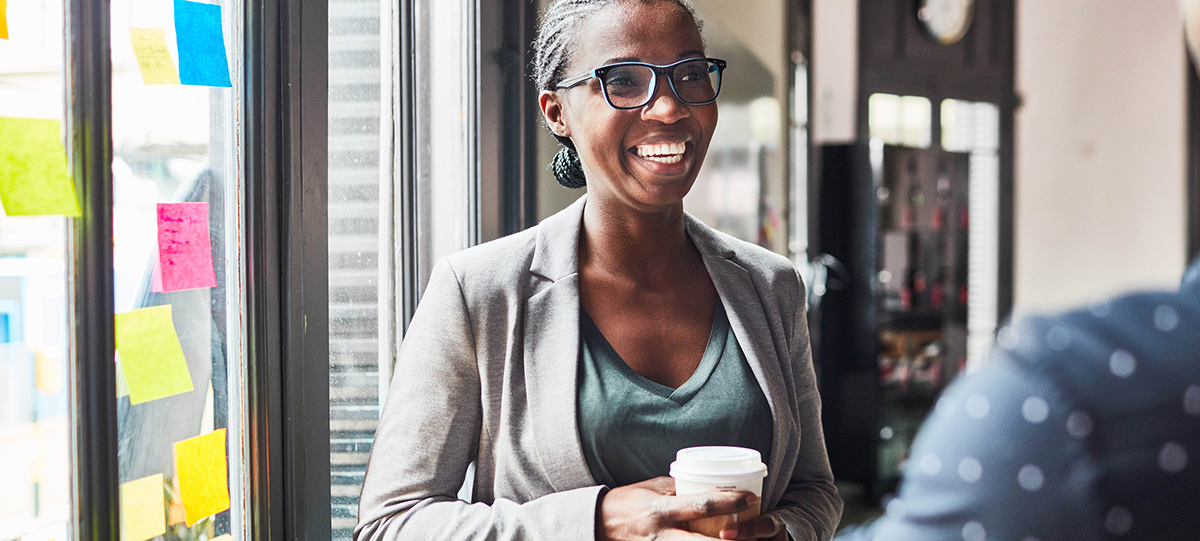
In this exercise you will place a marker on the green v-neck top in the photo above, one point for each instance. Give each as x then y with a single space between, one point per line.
630 427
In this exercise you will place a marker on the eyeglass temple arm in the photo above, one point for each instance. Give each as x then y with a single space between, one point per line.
568 83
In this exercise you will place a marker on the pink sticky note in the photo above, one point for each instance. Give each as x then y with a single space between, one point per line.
184 250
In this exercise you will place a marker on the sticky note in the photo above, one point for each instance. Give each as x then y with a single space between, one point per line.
201 471
33 169
150 47
143 514
151 355
225 537
201 44
3 19
184 249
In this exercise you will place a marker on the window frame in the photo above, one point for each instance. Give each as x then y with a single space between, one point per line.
286 258
90 290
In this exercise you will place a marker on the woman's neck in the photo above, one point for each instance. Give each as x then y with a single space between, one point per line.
649 248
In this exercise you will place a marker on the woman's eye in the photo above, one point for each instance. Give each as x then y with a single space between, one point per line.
691 74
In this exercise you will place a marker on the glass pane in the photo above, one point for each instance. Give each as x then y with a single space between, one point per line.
798 219
901 120
740 188
447 155
36 500
974 127
176 187
360 264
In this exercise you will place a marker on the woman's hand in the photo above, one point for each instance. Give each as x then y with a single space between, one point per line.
650 510
760 527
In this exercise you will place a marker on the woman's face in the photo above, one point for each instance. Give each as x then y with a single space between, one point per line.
648 157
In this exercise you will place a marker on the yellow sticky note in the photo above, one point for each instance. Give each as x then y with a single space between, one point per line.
143 514
33 169
201 471
151 355
3 19
225 537
150 47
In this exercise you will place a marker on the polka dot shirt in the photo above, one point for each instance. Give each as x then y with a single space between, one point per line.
1082 426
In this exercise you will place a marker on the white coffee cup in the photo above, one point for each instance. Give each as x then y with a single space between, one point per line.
718 469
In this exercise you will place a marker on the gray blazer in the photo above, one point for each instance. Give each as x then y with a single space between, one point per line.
486 376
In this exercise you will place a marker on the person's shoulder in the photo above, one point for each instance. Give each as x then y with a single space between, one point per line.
1143 343
496 260
757 260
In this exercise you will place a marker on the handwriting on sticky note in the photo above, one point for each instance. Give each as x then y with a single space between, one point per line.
151 355
184 248
33 169
200 468
150 47
201 44
143 514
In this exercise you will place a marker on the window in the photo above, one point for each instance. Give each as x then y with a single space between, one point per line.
176 157
391 216
901 120
974 127
360 243
34 442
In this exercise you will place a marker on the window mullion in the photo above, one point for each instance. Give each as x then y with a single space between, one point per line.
90 290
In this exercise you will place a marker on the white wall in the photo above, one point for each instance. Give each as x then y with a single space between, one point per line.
1099 149
835 70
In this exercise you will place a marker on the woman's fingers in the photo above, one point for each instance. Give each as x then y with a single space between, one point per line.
651 510
760 527
679 509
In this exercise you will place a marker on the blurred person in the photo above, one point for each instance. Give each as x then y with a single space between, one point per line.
1082 426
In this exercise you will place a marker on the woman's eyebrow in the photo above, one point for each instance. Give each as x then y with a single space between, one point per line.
682 55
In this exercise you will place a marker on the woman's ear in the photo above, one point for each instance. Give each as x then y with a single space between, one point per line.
552 111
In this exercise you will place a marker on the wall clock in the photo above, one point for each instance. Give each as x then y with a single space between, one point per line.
946 21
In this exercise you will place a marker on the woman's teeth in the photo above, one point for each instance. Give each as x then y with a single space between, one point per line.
662 152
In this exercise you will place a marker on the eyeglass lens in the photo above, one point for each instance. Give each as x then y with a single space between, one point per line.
631 86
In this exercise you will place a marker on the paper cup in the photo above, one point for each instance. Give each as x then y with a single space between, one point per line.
718 469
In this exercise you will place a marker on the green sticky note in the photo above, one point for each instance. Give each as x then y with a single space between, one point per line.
151 354
33 169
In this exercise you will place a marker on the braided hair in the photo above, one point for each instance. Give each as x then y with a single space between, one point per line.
551 53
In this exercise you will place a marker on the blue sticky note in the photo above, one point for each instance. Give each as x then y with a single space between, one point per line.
201 44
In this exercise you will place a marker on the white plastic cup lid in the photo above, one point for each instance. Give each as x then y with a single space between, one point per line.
725 462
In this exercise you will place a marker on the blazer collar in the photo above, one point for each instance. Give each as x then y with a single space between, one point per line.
556 250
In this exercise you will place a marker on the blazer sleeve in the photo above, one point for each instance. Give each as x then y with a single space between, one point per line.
429 434
810 507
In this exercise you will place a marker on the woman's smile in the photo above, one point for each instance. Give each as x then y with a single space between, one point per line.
668 153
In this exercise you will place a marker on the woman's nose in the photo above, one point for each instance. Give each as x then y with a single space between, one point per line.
664 105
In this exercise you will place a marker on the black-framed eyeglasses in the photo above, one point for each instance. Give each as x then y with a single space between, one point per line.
630 85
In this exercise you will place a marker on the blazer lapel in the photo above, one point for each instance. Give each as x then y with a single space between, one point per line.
551 350
748 320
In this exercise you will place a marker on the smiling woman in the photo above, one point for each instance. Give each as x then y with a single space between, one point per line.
513 355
